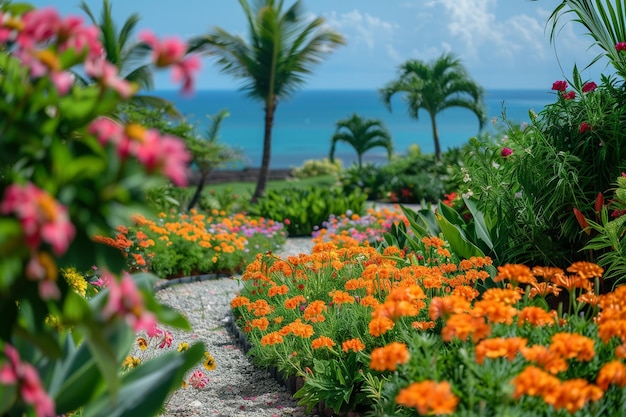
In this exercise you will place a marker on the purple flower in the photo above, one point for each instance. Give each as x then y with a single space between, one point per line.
505 152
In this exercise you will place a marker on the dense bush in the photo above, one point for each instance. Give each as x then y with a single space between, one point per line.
316 167
301 209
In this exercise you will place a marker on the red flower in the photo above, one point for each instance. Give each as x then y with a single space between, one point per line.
571 95
582 221
621 46
584 126
506 152
559 85
589 87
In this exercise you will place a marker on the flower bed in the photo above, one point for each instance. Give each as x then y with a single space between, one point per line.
370 331
178 245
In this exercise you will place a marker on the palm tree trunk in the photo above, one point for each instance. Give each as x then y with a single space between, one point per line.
264 174
196 196
433 123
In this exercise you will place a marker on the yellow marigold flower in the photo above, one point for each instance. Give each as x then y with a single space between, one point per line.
387 358
429 398
322 341
353 344
586 270
131 362
183 346
271 339
142 343
75 280
209 362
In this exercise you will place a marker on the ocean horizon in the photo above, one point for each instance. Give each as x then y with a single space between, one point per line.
305 122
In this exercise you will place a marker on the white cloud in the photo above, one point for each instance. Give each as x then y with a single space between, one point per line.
362 29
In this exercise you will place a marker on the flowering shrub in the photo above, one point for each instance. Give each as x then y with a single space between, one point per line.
351 226
371 329
184 244
69 172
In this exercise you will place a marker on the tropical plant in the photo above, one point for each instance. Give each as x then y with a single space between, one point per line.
434 87
130 57
283 46
362 135
316 167
605 22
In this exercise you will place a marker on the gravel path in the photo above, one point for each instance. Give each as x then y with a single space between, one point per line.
236 388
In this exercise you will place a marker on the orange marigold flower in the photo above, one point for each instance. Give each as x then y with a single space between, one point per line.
496 312
573 345
353 344
569 282
277 290
387 358
260 308
502 295
429 397
239 301
355 284
341 297
586 270
572 395
464 324
620 352
515 273
314 312
499 347
534 382
395 310
614 373
536 316
298 328
271 339
380 325
433 241
589 298
292 303
547 359
369 301
465 291
321 342
261 323
445 306
423 325
543 289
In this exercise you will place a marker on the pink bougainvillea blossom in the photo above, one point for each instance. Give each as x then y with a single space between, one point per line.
589 87
41 216
560 85
584 127
570 95
25 376
46 63
72 34
505 152
620 46
185 72
125 300
39 26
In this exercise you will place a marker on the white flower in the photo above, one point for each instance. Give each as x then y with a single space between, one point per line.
468 194
495 165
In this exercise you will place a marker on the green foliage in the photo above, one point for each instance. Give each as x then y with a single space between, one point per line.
316 167
363 135
303 209
368 179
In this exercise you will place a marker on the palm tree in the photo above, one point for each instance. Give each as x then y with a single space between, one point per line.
282 48
435 87
362 135
130 57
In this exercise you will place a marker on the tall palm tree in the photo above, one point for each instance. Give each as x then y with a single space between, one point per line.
362 135
130 57
434 87
282 47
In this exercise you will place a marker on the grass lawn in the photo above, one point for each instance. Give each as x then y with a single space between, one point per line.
247 188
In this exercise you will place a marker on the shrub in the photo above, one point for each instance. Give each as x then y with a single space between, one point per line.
301 209
316 167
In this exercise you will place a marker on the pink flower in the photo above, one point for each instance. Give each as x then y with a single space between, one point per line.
41 267
165 153
620 46
26 377
198 380
46 62
560 85
106 73
125 300
184 71
571 95
166 339
72 34
41 216
505 152
584 126
40 25
589 87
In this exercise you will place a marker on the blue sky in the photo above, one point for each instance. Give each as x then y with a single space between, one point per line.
502 43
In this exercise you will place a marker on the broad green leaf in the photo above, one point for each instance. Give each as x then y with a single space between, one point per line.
481 228
459 244
146 387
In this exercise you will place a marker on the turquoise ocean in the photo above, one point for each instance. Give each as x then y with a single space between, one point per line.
306 121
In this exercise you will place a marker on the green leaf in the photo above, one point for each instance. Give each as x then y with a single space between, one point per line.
145 388
481 228
459 244
165 315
